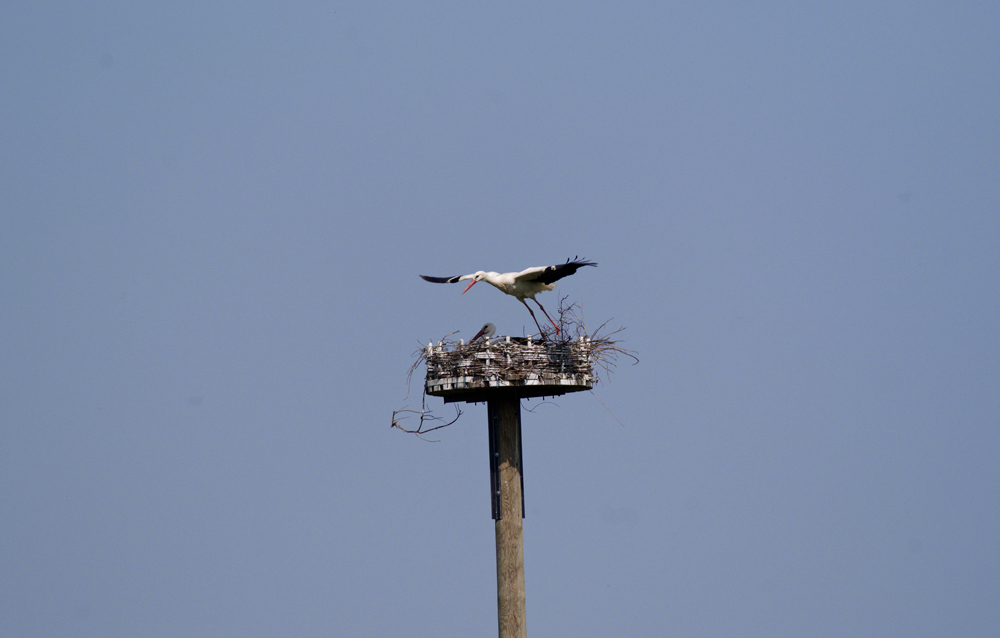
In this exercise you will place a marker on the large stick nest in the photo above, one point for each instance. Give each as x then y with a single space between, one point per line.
511 361
572 353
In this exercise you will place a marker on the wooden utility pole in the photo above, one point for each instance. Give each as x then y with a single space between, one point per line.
508 501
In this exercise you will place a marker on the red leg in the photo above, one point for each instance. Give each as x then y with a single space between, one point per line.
547 315
533 316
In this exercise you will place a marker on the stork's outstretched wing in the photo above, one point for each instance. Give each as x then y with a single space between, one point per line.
445 280
550 274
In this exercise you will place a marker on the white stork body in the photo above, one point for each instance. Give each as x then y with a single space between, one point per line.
521 285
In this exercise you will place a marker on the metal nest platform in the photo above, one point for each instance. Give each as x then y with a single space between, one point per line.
509 367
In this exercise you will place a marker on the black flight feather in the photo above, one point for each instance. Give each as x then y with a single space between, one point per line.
441 280
555 273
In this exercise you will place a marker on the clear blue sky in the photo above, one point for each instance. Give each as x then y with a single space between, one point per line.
214 215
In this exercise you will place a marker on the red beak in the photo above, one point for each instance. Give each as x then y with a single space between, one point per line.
471 283
478 334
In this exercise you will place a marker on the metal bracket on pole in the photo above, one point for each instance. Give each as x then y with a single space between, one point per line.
520 457
494 434
494 422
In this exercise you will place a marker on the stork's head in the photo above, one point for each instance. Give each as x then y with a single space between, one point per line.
487 331
479 276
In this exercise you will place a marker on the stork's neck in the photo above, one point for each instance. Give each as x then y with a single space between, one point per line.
495 278
502 281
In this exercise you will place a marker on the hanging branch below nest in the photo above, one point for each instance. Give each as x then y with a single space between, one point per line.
425 415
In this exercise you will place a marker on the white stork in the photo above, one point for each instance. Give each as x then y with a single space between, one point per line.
521 285
488 331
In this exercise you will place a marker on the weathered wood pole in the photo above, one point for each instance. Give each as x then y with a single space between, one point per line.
505 434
